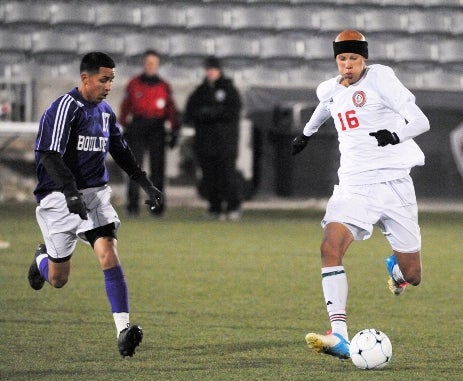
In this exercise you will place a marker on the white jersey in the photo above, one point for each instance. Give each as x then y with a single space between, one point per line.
377 101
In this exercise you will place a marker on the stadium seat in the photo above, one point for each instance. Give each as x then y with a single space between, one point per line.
319 48
277 47
118 18
13 46
113 45
250 18
135 45
429 22
71 16
181 73
207 17
456 23
451 54
190 45
409 76
260 75
26 15
380 50
332 21
442 80
391 21
236 46
308 76
412 51
162 16
53 47
297 19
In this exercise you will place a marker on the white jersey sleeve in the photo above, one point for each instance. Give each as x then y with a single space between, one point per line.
322 112
400 99
377 101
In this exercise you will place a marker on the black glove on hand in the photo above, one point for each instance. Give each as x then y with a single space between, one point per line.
385 137
154 193
299 144
155 196
75 202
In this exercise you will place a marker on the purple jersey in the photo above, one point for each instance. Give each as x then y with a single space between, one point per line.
83 133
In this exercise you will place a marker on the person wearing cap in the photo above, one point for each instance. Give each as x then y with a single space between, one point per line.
213 108
376 119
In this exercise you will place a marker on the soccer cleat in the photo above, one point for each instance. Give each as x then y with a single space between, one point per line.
129 338
395 287
36 280
334 344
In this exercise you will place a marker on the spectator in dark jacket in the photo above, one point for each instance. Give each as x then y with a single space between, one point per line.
214 110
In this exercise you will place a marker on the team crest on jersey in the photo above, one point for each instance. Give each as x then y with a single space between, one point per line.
359 98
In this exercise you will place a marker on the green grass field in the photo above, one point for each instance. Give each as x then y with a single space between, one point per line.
227 301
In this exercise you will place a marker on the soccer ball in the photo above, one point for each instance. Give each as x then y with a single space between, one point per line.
370 349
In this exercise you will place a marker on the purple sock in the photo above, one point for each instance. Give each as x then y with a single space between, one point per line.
116 289
43 268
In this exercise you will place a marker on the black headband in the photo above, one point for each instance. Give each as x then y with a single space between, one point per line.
351 46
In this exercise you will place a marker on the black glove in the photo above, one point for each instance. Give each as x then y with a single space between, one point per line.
154 193
75 202
385 137
299 144
171 139
155 196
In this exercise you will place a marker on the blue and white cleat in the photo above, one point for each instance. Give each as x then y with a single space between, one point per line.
395 287
334 344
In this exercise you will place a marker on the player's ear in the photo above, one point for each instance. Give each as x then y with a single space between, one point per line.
84 77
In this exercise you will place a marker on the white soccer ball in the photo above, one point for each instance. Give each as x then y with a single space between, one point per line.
370 349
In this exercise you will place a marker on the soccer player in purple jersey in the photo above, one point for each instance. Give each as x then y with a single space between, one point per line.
75 135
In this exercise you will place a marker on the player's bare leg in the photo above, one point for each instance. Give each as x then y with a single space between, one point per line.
403 269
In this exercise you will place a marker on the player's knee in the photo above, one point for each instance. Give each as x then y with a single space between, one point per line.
413 277
329 253
58 281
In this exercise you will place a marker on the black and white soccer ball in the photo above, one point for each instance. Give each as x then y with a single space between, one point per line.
370 349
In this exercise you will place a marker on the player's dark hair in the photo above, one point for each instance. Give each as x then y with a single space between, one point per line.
91 62
151 52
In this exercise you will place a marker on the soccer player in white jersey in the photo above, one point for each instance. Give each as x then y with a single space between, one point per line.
75 135
376 119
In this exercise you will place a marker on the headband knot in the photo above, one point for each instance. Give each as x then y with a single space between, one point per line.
351 46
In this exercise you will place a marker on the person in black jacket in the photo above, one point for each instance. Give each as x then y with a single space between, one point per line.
213 108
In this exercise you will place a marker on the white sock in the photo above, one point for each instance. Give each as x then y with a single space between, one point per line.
122 321
335 290
39 258
397 274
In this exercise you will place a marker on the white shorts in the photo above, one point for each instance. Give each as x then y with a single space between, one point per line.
60 228
390 205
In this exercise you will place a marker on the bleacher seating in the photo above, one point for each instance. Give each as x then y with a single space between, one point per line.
270 41
24 15
71 16
53 47
120 18
162 16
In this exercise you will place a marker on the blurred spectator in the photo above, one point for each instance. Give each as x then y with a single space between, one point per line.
5 109
213 108
149 115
